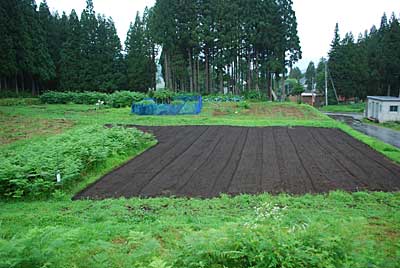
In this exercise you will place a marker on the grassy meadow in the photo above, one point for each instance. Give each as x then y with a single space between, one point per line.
333 230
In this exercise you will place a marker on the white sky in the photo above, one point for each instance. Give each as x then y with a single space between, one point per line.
316 18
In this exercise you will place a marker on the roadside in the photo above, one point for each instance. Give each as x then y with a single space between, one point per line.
355 120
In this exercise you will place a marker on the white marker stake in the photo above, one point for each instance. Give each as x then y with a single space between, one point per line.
58 177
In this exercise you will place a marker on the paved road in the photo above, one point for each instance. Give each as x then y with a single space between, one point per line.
354 120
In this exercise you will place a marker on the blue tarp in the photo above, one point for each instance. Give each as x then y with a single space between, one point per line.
190 105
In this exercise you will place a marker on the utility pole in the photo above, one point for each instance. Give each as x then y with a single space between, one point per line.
326 82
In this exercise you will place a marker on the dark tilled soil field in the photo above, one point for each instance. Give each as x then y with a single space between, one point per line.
202 161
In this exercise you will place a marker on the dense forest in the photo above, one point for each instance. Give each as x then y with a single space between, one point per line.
215 44
44 51
369 65
202 46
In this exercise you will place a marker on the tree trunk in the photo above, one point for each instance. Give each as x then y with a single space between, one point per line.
190 70
283 86
155 68
256 71
195 74
16 84
33 86
221 81
207 72
23 81
166 71
268 82
198 89
389 90
249 70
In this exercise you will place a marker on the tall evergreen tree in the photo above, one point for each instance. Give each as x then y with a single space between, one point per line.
138 58
89 55
70 62
310 76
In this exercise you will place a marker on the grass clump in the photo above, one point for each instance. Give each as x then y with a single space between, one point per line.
30 170
345 108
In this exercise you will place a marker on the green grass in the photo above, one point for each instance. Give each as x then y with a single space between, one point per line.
345 108
333 230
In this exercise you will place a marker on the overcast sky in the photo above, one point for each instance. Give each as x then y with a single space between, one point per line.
316 18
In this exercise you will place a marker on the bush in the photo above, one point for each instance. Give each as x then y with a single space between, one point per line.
223 98
53 97
19 102
253 95
122 99
30 170
243 105
87 97
163 96
117 99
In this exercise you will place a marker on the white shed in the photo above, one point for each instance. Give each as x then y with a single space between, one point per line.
383 108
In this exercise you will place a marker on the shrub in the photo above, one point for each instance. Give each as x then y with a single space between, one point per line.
243 105
223 98
121 99
253 95
30 170
88 97
53 97
164 96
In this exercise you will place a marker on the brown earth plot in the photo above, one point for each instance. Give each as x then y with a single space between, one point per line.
205 161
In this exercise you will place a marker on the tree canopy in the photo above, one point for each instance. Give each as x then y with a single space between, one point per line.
368 65
202 46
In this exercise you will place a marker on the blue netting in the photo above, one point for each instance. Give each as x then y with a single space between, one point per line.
187 105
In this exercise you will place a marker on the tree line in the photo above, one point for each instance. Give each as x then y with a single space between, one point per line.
212 45
201 45
45 51
369 65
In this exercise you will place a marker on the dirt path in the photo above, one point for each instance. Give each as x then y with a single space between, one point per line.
205 161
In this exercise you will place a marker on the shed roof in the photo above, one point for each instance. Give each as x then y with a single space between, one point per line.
384 98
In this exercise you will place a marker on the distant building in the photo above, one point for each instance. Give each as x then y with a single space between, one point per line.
312 98
383 109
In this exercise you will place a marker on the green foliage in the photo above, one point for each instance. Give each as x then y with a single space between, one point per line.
117 99
295 73
223 98
140 55
338 229
243 105
367 65
53 97
297 89
253 95
164 96
310 76
30 170
122 99
333 230
19 102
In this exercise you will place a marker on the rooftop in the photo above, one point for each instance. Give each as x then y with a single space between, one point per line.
384 98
